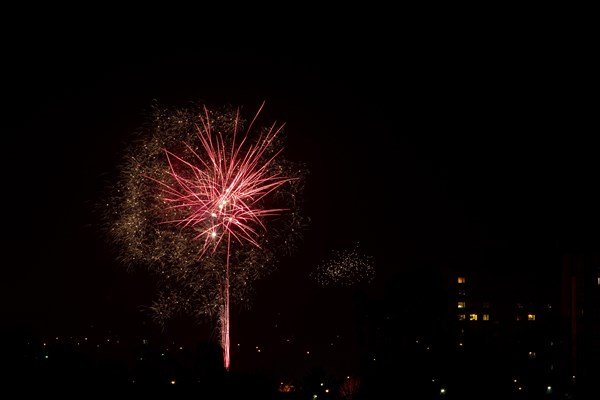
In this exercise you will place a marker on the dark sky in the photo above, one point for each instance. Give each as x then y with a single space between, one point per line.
439 150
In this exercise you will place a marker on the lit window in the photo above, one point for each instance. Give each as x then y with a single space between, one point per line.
486 304
532 354
599 281
462 317
462 292
531 317
461 279
461 304
485 317
519 318
472 317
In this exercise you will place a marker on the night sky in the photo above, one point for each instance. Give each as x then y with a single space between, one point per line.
465 152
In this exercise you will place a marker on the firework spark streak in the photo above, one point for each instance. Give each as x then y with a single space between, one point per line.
192 205
222 195
346 267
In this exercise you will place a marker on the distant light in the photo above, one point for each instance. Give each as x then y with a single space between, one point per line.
308 352
46 356
326 390
442 391
172 382
321 383
549 389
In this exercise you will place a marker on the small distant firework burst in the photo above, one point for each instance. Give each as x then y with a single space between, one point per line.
347 267
191 204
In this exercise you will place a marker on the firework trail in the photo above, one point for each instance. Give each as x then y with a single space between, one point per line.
347 267
192 203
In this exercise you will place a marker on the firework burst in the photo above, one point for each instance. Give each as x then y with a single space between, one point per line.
347 267
193 198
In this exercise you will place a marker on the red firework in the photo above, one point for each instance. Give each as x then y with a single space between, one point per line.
220 195
219 192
